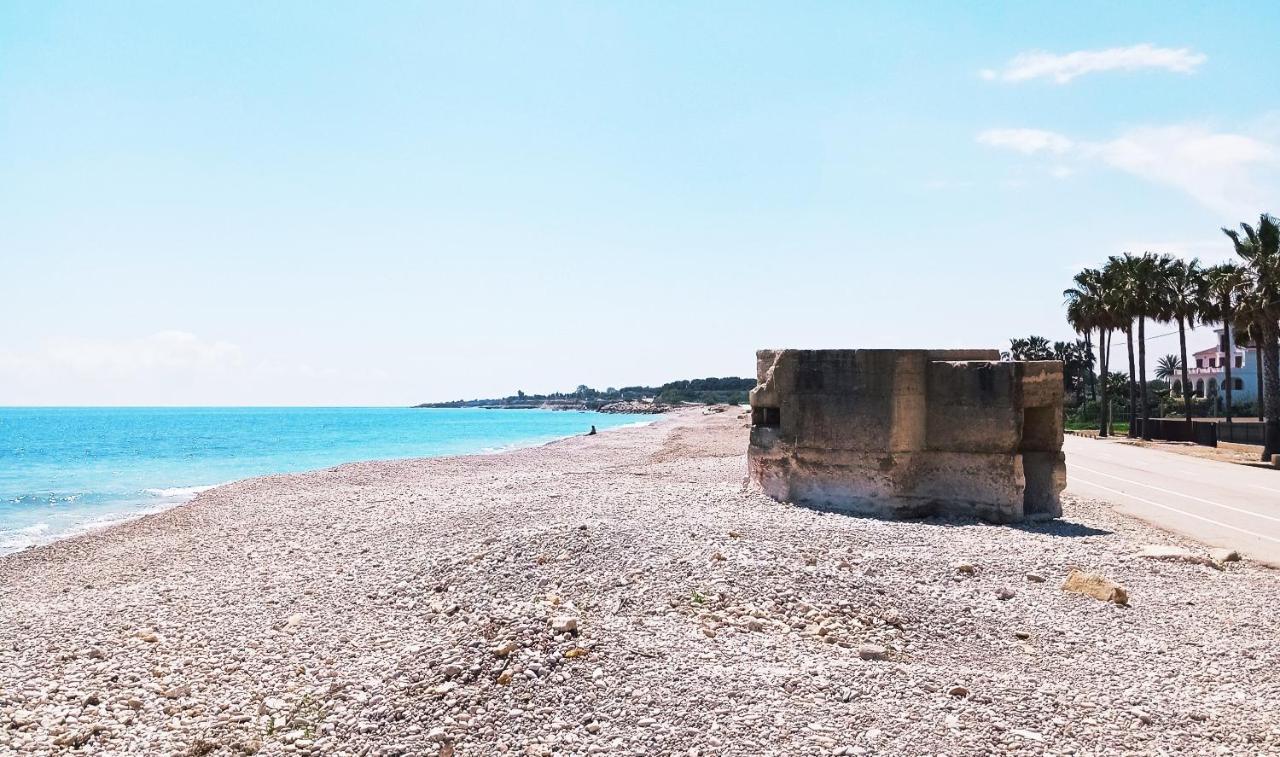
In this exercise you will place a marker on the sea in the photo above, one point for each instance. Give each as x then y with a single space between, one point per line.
65 471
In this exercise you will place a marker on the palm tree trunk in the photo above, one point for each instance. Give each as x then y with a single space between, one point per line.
1103 407
1142 372
1231 353
1271 380
1186 381
1133 387
1088 377
1257 364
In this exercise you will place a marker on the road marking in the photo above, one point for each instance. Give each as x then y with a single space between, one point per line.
1268 488
1220 524
1180 494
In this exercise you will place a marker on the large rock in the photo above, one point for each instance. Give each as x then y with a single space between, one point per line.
1097 586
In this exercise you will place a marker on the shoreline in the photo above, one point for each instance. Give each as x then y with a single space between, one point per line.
624 594
110 521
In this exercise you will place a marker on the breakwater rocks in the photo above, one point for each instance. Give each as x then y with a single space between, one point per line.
635 408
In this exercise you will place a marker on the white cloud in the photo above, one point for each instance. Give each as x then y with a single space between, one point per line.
174 368
1237 175
1228 173
122 359
1037 64
1026 141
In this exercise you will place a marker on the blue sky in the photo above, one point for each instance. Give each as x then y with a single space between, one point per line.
315 203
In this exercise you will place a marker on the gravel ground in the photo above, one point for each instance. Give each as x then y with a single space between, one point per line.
619 594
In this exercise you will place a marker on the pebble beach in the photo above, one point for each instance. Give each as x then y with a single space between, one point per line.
623 593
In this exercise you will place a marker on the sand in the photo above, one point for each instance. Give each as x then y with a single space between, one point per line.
620 594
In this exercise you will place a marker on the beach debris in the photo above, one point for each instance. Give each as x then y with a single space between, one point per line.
1175 554
1224 555
1097 586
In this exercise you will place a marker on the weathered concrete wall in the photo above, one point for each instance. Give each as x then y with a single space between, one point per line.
909 432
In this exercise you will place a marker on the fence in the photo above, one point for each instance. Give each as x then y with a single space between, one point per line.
1248 432
1204 433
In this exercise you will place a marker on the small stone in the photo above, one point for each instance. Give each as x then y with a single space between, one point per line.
1003 593
1035 578
1142 716
709 632
958 691
451 670
505 649
1022 634
965 569
564 624
873 652
437 734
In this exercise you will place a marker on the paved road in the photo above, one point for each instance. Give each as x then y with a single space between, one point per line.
1220 504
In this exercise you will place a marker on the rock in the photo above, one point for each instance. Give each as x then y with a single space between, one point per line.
873 652
437 734
451 670
1022 634
564 624
1004 592
965 568
1222 554
505 649
1096 586
1142 716
958 691
274 703
1177 554
1035 578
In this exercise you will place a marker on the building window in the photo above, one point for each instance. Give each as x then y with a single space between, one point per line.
1177 387
1239 361
1237 383
1200 388
1199 362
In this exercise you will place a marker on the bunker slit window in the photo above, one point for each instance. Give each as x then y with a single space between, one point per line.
766 416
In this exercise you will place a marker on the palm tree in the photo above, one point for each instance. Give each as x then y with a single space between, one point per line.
1151 271
1086 310
1120 273
1184 295
1167 367
1260 250
1225 285
1031 348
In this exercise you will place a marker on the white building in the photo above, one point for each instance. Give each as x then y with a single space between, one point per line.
1208 373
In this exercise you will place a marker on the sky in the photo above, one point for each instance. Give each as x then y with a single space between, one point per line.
317 203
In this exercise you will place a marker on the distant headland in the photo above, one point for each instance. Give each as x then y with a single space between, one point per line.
628 399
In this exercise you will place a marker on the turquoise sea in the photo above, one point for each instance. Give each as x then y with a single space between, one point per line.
68 470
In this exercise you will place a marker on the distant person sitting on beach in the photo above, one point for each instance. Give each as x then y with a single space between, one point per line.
592 432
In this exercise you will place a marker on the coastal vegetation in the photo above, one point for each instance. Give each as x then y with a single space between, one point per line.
1128 291
703 391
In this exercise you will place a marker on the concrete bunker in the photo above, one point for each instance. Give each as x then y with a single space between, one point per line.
904 433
